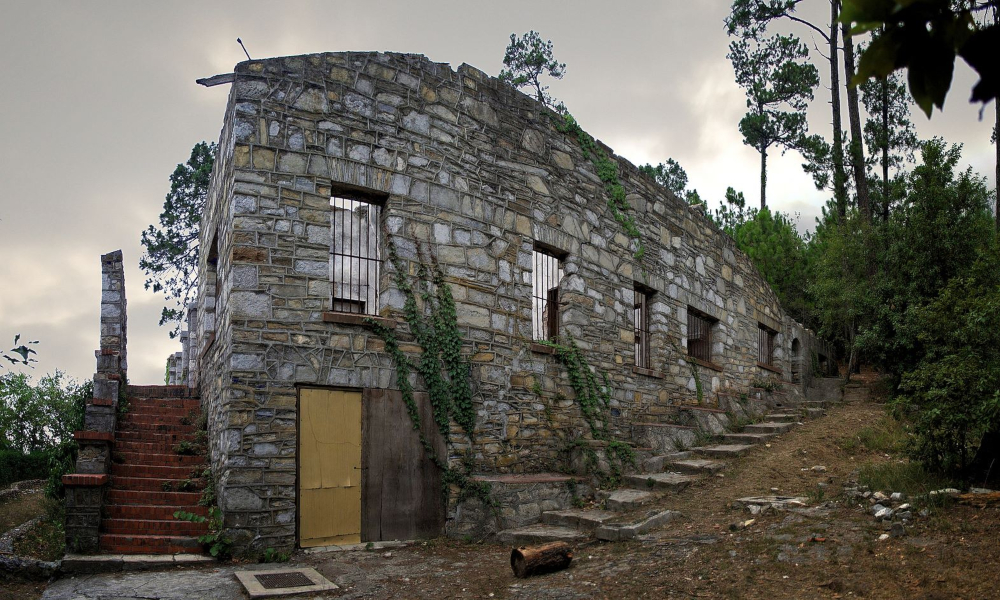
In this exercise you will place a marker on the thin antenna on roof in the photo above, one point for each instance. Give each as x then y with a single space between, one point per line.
240 42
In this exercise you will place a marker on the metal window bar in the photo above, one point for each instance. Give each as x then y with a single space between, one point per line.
641 320
699 337
546 274
765 345
355 256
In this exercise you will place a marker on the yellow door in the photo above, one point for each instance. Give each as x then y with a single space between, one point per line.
329 467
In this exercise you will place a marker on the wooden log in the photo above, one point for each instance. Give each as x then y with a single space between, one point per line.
535 560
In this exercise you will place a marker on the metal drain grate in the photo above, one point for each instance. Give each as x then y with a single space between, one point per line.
274 581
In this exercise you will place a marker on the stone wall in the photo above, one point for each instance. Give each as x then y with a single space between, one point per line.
86 486
479 175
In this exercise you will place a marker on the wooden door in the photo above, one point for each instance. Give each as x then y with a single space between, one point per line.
329 467
401 495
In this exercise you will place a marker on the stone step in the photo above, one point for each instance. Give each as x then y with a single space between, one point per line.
657 464
723 450
697 466
672 482
582 519
113 563
538 534
148 544
768 427
813 413
614 532
626 499
746 438
787 417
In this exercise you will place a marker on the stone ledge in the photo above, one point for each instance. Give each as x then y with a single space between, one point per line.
768 367
704 363
648 372
102 402
84 480
542 348
94 436
526 478
356 319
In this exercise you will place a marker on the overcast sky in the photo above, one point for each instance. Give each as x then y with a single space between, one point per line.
99 104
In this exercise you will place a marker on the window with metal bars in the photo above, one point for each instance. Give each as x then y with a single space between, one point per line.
699 335
765 345
355 255
643 296
546 274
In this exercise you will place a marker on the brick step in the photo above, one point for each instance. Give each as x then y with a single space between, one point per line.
147 436
145 422
157 428
139 405
131 497
142 408
145 447
172 460
155 484
175 472
168 527
151 511
148 544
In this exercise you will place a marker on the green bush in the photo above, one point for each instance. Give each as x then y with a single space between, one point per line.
18 466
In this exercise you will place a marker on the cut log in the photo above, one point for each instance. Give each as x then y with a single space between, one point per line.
535 560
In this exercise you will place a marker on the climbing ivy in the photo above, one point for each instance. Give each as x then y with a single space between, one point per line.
445 372
607 171
594 401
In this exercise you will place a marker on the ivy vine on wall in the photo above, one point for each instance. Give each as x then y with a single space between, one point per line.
433 323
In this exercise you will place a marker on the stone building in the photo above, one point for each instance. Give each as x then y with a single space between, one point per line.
321 157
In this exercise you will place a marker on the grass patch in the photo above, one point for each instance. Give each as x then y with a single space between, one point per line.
911 478
20 510
47 539
886 436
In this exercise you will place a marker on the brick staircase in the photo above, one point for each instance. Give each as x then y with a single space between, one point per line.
150 481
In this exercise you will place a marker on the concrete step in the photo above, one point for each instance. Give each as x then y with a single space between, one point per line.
786 417
538 534
614 532
627 499
671 482
768 427
112 563
746 438
578 518
697 466
723 450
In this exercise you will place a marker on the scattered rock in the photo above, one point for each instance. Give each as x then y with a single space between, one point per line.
819 469
897 496
897 530
880 497
883 537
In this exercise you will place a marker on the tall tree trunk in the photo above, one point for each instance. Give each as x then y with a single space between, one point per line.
885 149
857 140
763 177
839 176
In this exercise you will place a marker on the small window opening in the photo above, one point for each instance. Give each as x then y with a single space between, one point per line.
643 297
699 335
765 345
355 256
547 272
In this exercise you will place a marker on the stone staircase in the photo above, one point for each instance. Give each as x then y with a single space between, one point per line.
150 480
669 464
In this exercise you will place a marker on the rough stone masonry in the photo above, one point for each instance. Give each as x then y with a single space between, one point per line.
481 176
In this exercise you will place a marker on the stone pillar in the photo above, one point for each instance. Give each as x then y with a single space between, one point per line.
85 488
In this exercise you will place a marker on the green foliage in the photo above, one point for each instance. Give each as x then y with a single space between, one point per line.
270 555
908 477
672 176
218 545
170 249
607 171
445 371
768 384
778 83
526 59
35 417
17 466
924 38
